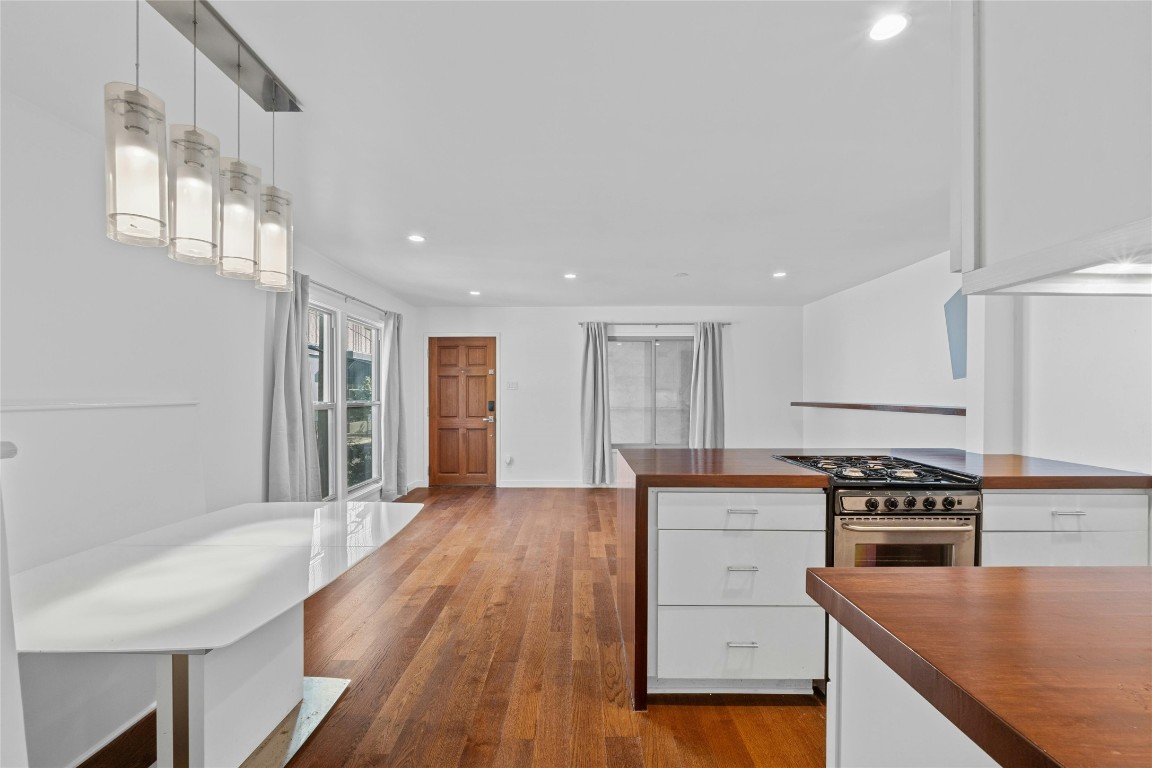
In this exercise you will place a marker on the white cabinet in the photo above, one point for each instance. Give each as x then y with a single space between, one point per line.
728 609
1065 528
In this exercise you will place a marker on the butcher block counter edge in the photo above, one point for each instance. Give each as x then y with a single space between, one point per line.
838 590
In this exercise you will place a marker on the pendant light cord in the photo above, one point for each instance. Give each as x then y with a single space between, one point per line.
274 97
137 44
237 101
195 50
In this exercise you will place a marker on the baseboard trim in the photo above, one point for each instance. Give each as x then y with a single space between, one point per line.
542 484
133 747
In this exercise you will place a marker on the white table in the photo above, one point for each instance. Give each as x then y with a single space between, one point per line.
220 598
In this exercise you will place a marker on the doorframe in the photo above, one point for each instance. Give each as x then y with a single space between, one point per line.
427 452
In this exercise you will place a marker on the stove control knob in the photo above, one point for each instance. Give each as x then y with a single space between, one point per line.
910 502
872 504
891 503
929 503
949 502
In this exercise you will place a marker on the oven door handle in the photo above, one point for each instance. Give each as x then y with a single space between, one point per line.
909 528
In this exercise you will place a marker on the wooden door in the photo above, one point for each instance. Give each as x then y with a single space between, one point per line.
462 424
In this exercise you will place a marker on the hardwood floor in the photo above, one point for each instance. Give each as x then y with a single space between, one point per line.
485 634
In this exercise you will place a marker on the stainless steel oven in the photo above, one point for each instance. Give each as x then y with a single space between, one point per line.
908 528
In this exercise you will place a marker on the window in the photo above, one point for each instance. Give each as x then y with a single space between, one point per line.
346 399
362 406
320 325
649 381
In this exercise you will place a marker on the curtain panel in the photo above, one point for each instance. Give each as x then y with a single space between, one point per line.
706 404
393 444
293 471
595 415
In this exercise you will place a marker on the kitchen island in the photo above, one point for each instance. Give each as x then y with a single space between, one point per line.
1021 666
727 475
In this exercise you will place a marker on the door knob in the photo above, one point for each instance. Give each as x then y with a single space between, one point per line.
490 419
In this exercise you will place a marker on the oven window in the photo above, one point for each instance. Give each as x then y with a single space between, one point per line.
903 555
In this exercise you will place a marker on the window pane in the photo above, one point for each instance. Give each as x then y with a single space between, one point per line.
673 384
319 332
361 353
323 443
359 445
630 391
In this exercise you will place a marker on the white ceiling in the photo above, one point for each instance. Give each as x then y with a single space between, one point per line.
622 141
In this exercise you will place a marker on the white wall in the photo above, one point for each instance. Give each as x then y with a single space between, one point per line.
1087 381
884 341
540 348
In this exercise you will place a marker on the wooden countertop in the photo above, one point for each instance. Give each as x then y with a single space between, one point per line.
1038 666
756 467
720 467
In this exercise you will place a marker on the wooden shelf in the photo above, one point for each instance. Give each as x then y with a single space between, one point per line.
939 410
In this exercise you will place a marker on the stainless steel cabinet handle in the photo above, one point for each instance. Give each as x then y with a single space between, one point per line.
909 528
732 511
752 644
1077 513
743 568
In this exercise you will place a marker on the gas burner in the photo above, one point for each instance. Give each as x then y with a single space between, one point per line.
880 471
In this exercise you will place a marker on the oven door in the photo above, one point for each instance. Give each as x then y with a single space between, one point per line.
874 542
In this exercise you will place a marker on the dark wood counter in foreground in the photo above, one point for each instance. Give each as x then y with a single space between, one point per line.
1038 666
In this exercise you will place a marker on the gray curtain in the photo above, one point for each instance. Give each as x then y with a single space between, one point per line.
595 423
706 405
293 461
393 442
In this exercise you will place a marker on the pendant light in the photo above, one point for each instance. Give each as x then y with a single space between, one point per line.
194 164
135 160
240 201
275 250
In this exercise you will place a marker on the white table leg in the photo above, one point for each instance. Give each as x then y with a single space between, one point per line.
215 709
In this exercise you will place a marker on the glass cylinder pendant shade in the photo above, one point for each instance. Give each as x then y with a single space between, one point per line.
194 193
274 272
239 219
136 164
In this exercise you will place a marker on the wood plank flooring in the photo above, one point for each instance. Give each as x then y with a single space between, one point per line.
485 634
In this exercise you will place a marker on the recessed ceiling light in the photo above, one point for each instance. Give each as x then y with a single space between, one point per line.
416 238
888 27
474 293
569 276
779 274
680 274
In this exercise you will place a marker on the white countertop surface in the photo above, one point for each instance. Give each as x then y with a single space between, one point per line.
199 584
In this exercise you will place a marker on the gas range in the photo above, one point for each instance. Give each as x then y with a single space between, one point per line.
884 510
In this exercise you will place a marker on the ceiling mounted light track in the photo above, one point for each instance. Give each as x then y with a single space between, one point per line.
221 45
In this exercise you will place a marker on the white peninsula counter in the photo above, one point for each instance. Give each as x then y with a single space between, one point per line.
219 598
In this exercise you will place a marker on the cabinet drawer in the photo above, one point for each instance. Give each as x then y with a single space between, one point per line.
1065 512
1064 548
736 567
741 511
748 643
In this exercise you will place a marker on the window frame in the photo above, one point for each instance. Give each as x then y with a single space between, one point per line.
327 370
377 477
652 342
338 405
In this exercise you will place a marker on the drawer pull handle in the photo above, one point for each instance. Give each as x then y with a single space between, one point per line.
751 644
743 567
1077 513
734 511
